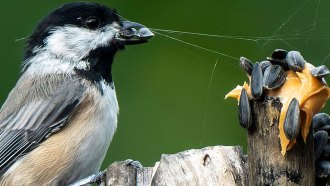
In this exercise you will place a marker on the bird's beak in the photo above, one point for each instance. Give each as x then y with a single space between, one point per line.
132 33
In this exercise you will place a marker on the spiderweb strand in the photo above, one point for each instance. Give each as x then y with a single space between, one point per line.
197 46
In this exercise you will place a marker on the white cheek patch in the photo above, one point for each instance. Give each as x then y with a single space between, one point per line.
45 63
76 43
66 47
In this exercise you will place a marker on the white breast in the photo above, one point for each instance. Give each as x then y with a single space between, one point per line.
102 125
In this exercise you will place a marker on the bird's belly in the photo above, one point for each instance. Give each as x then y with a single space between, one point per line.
98 127
92 149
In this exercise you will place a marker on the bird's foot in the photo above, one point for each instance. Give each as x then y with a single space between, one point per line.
135 164
97 178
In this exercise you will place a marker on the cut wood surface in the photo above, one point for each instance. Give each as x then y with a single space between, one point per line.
217 165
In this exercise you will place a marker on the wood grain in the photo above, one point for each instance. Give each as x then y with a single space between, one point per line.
267 166
210 166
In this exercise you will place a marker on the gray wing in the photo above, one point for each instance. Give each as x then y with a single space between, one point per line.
34 110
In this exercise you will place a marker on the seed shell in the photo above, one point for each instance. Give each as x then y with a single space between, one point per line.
246 64
256 81
274 77
245 115
292 120
295 61
320 141
320 71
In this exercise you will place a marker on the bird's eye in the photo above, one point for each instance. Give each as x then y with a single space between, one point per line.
92 22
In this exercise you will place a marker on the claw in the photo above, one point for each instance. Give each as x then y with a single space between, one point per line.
274 77
295 61
245 117
95 178
247 65
320 142
133 163
292 120
256 81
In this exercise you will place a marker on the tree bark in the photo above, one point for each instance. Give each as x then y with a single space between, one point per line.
267 166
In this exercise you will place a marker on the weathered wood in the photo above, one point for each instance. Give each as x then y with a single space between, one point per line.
218 165
128 172
267 166
221 165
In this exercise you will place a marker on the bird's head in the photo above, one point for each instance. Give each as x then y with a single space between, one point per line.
80 36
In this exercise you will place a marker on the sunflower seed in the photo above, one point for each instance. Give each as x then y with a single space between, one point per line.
274 77
256 81
295 61
322 169
320 121
246 64
278 58
279 54
264 65
320 71
326 151
320 141
281 62
245 115
292 120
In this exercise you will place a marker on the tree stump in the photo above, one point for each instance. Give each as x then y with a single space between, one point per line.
267 166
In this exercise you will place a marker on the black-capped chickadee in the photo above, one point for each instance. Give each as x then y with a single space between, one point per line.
58 121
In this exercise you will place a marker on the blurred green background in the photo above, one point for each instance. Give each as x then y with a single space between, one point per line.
168 102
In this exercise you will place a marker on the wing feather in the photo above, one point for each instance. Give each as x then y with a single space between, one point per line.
35 109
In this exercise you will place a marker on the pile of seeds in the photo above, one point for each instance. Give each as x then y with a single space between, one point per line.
300 86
